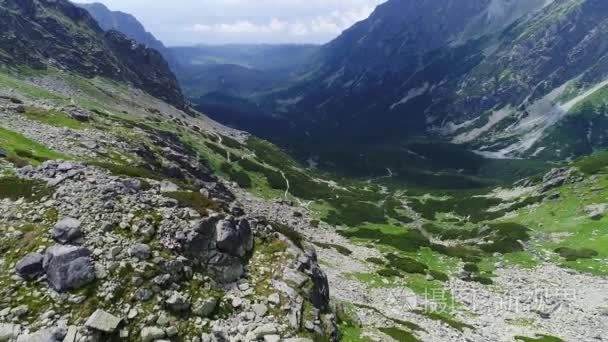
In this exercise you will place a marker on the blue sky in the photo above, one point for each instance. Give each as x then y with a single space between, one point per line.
185 22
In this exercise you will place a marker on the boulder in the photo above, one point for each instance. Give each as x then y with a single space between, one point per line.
226 268
103 321
44 335
67 230
3 153
9 332
204 308
140 251
234 238
149 334
80 116
177 302
68 267
30 267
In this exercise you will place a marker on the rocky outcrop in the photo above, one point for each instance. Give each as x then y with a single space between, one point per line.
221 244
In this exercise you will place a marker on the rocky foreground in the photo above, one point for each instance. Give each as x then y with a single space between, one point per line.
97 257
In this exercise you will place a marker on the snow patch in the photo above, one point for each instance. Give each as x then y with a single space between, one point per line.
412 93
494 118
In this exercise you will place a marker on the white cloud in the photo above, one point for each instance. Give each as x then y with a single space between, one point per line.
183 22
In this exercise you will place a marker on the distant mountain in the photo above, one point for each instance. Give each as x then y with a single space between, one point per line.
508 78
261 56
127 24
237 70
56 33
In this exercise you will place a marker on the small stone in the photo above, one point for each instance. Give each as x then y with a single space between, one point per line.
103 321
177 302
260 310
171 331
67 230
274 299
205 307
20 310
140 251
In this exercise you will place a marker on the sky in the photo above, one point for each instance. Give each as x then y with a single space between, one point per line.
187 22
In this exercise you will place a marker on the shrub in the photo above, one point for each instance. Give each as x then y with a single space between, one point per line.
290 233
194 200
239 177
439 275
375 260
571 254
472 268
406 264
15 188
388 273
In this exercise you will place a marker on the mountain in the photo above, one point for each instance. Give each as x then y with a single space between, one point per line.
127 24
362 83
506 78
57 34
235 69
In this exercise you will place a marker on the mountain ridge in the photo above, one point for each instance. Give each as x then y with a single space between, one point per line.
59 34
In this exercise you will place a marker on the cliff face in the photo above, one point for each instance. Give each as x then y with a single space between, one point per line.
56 33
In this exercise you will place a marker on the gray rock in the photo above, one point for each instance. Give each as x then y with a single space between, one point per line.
234 238
177 302
67 230
44 335
226 268
261 331
149 334
295 277
272 338
204 308
274 299
140 251
68 267
3 153
103 321
30 267
9 332
260 310
166 186
80 116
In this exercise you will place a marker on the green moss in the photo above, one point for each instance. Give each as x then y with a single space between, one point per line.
15 188
290 233
389 273
340 249
375 260
53 118
23 151
238 176
194 200
406 264
439 275
399 335
539 338
436 316
403 239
